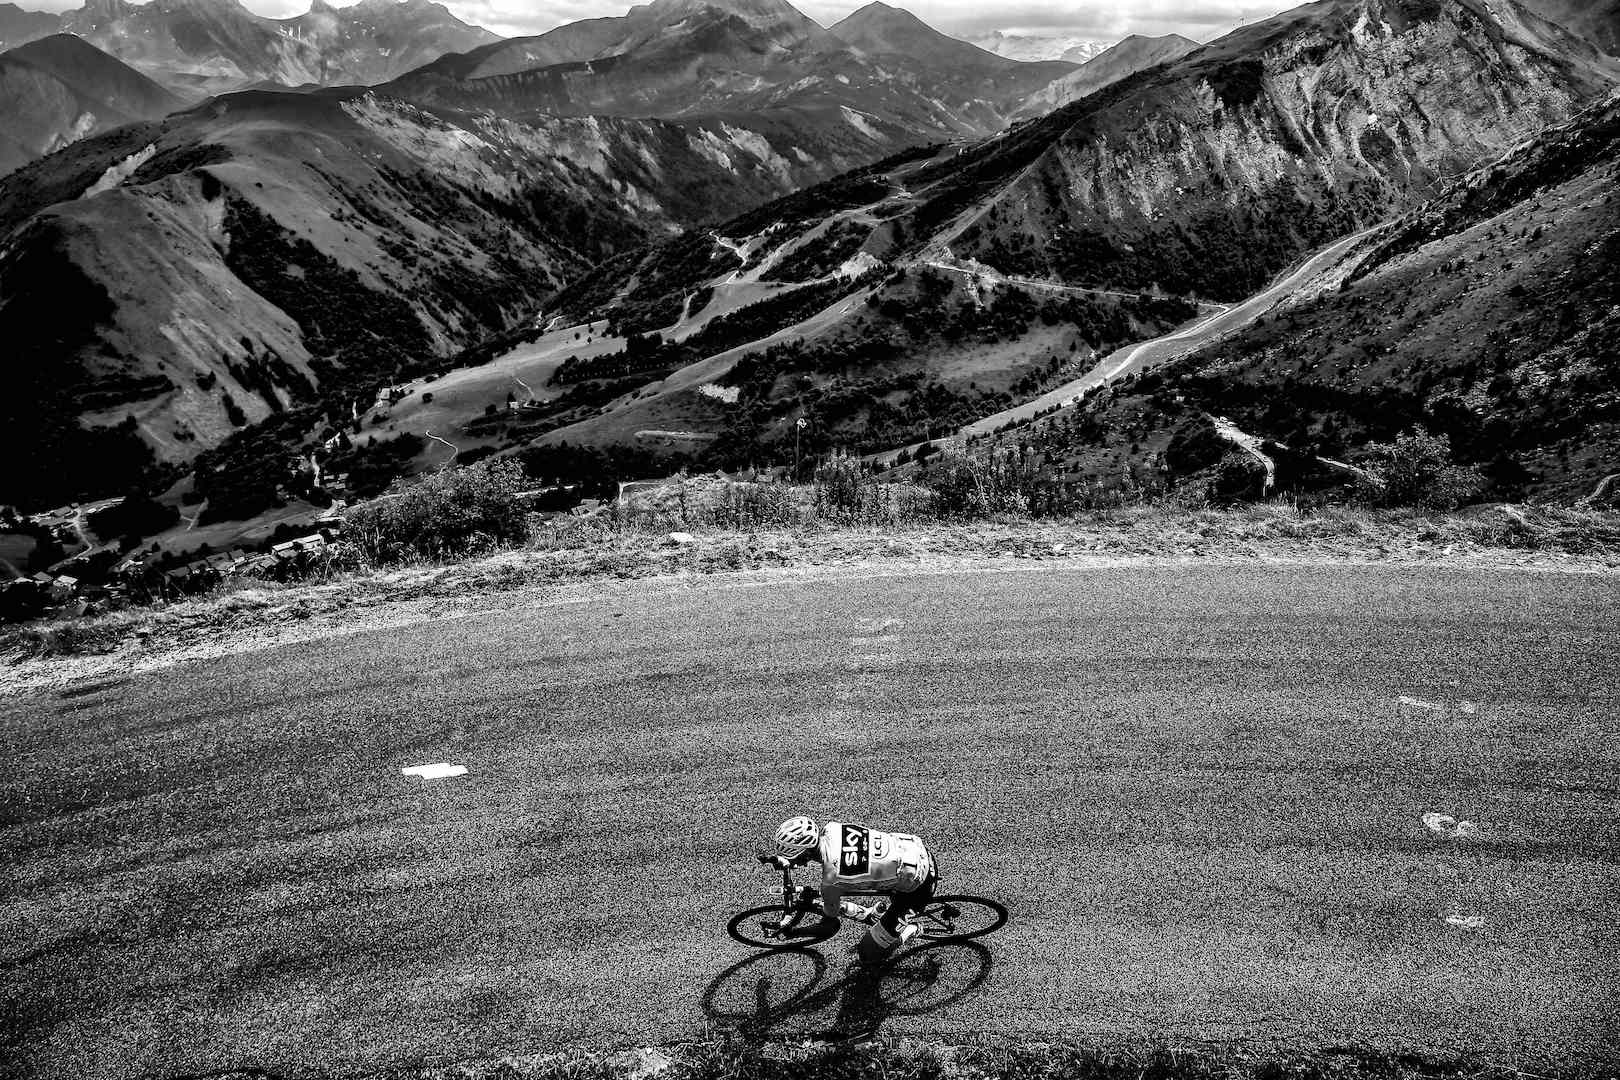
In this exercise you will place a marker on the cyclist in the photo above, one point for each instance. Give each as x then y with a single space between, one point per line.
854 858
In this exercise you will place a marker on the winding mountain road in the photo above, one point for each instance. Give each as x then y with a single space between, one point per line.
1140 357
1197 788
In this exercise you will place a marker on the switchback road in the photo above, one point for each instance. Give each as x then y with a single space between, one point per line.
1208 795
1148 354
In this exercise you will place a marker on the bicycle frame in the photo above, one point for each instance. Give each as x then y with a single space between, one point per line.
794 900
776 925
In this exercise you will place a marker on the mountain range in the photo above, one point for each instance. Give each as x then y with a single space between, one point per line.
201 47
1034 45
669 58
249 269
1203 177
19 26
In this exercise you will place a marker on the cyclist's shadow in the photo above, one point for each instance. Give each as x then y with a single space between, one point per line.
798 989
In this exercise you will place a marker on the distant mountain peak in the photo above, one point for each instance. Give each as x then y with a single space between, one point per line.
877 8
748 10
883 28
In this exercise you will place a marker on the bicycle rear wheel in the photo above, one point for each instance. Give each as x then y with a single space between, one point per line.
745 927
955 917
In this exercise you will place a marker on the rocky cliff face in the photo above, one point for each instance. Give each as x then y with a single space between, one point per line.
1487 315
1210 174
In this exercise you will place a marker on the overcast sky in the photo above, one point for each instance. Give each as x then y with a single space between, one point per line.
1103 20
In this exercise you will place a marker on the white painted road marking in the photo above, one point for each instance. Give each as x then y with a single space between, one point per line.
1446 825
437 771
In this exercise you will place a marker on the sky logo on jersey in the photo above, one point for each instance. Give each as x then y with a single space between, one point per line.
855 858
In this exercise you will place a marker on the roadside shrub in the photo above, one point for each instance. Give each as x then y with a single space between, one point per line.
68 637
969 487
843 485
449 513
956 486
1417 469
746 507
1193 446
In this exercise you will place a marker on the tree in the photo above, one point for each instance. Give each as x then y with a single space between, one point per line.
1418 469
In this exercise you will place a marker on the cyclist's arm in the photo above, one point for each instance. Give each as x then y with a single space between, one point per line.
832 896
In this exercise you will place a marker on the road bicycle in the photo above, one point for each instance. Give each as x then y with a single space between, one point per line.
947 917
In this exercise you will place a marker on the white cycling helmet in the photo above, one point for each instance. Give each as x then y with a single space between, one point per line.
797 836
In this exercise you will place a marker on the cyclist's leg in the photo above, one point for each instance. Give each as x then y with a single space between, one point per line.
904 904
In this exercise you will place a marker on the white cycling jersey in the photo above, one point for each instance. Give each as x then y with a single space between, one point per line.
857 859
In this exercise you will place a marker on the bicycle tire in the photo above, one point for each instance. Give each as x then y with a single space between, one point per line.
744 925
935 911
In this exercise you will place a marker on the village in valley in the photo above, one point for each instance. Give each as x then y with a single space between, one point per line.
94 575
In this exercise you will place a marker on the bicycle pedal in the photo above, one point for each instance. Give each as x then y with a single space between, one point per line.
952 911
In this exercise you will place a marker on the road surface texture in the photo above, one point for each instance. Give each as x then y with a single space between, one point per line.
1202 792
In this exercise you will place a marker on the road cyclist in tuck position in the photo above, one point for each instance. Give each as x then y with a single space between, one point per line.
856 859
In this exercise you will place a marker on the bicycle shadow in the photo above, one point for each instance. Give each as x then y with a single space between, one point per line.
797 989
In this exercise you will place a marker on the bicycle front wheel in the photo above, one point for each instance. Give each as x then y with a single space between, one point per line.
954 917
747 927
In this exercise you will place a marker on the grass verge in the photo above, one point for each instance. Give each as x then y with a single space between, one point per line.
731 1058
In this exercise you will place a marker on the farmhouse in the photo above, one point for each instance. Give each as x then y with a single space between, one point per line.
313 544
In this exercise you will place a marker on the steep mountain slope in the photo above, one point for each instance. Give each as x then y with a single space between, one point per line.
1135 53
1490 315
1206 176
200 47
1210 174
1598 20
59 88
698 57
267 253
18 25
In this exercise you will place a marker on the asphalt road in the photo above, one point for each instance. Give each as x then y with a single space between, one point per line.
1196 788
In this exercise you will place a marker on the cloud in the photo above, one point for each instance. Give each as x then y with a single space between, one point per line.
1103 20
